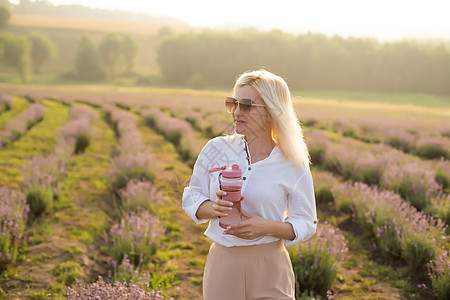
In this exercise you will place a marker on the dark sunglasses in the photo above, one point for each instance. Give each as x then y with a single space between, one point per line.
245 104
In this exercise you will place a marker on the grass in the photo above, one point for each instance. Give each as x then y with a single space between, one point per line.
19 105
39 140
86 184
67 272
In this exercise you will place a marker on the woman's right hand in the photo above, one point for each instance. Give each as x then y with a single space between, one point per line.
221 207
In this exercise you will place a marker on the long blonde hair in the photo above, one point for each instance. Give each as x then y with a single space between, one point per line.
286 129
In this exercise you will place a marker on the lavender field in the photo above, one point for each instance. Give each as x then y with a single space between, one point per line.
91 182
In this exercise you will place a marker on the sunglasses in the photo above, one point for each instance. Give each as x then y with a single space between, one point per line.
244 104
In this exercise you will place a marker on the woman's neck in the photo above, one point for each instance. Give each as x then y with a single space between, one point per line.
260 146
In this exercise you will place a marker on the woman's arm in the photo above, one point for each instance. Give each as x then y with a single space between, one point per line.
255 226
300 225
216 208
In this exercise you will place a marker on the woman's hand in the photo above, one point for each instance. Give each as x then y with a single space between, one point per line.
251 228
215 209
221 207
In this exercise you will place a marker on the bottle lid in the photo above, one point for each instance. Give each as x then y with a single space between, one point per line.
232 172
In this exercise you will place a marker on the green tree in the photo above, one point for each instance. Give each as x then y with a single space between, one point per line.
16 54
164 32
5 15
110 51
42 51
87 63
130 50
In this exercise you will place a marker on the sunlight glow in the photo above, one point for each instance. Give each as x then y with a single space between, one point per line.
383 19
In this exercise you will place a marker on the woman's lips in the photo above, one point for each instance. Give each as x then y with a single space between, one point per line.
239 121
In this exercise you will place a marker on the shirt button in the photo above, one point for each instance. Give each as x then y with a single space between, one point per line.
244 178
249 168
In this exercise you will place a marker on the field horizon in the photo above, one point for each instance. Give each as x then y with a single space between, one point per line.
413 101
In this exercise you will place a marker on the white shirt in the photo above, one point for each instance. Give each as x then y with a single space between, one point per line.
273 188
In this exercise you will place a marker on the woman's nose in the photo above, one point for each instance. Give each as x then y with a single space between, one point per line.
237 109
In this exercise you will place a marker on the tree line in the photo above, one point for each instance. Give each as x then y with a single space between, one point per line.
26 54
213 59
30 53
308 61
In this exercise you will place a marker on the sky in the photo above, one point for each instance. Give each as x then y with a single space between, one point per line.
382 19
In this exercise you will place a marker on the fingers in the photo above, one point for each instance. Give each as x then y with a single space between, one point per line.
220 193
221 207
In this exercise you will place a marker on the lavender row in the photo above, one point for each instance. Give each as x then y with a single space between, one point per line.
177 131
416 181
135 236
439 271
119 290
17 128
6 102
43 174
428 136
316 261
133 162
210 123
13 218
399 229
78 130
42 178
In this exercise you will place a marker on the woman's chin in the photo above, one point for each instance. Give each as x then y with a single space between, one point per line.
239 130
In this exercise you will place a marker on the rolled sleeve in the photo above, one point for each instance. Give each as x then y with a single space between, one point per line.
301 212
192 200
198 189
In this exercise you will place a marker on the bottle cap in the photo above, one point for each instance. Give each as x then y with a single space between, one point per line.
232 172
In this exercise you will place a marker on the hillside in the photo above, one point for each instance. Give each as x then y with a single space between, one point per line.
94 25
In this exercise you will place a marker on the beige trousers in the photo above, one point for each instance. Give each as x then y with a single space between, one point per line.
248 273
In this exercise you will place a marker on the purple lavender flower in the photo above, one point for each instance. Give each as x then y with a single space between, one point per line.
118 290
399 228
13 216
316 260
134 236
6 102
16 128
140 194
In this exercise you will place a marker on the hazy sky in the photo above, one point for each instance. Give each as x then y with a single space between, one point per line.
383 19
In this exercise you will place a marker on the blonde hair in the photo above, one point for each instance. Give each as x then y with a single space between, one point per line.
286 129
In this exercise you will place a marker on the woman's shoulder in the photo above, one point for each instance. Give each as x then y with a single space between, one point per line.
289 168
234 139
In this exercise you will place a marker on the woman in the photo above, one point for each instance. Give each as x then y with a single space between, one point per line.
248 260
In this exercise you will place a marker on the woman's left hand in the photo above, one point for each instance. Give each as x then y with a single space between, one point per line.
251 228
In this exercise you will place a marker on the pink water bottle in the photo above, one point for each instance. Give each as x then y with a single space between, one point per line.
231 182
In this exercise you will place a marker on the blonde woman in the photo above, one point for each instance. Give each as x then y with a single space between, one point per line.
248 260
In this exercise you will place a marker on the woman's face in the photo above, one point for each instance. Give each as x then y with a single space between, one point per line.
254 122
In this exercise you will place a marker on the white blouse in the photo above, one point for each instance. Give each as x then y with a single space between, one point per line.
273 188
